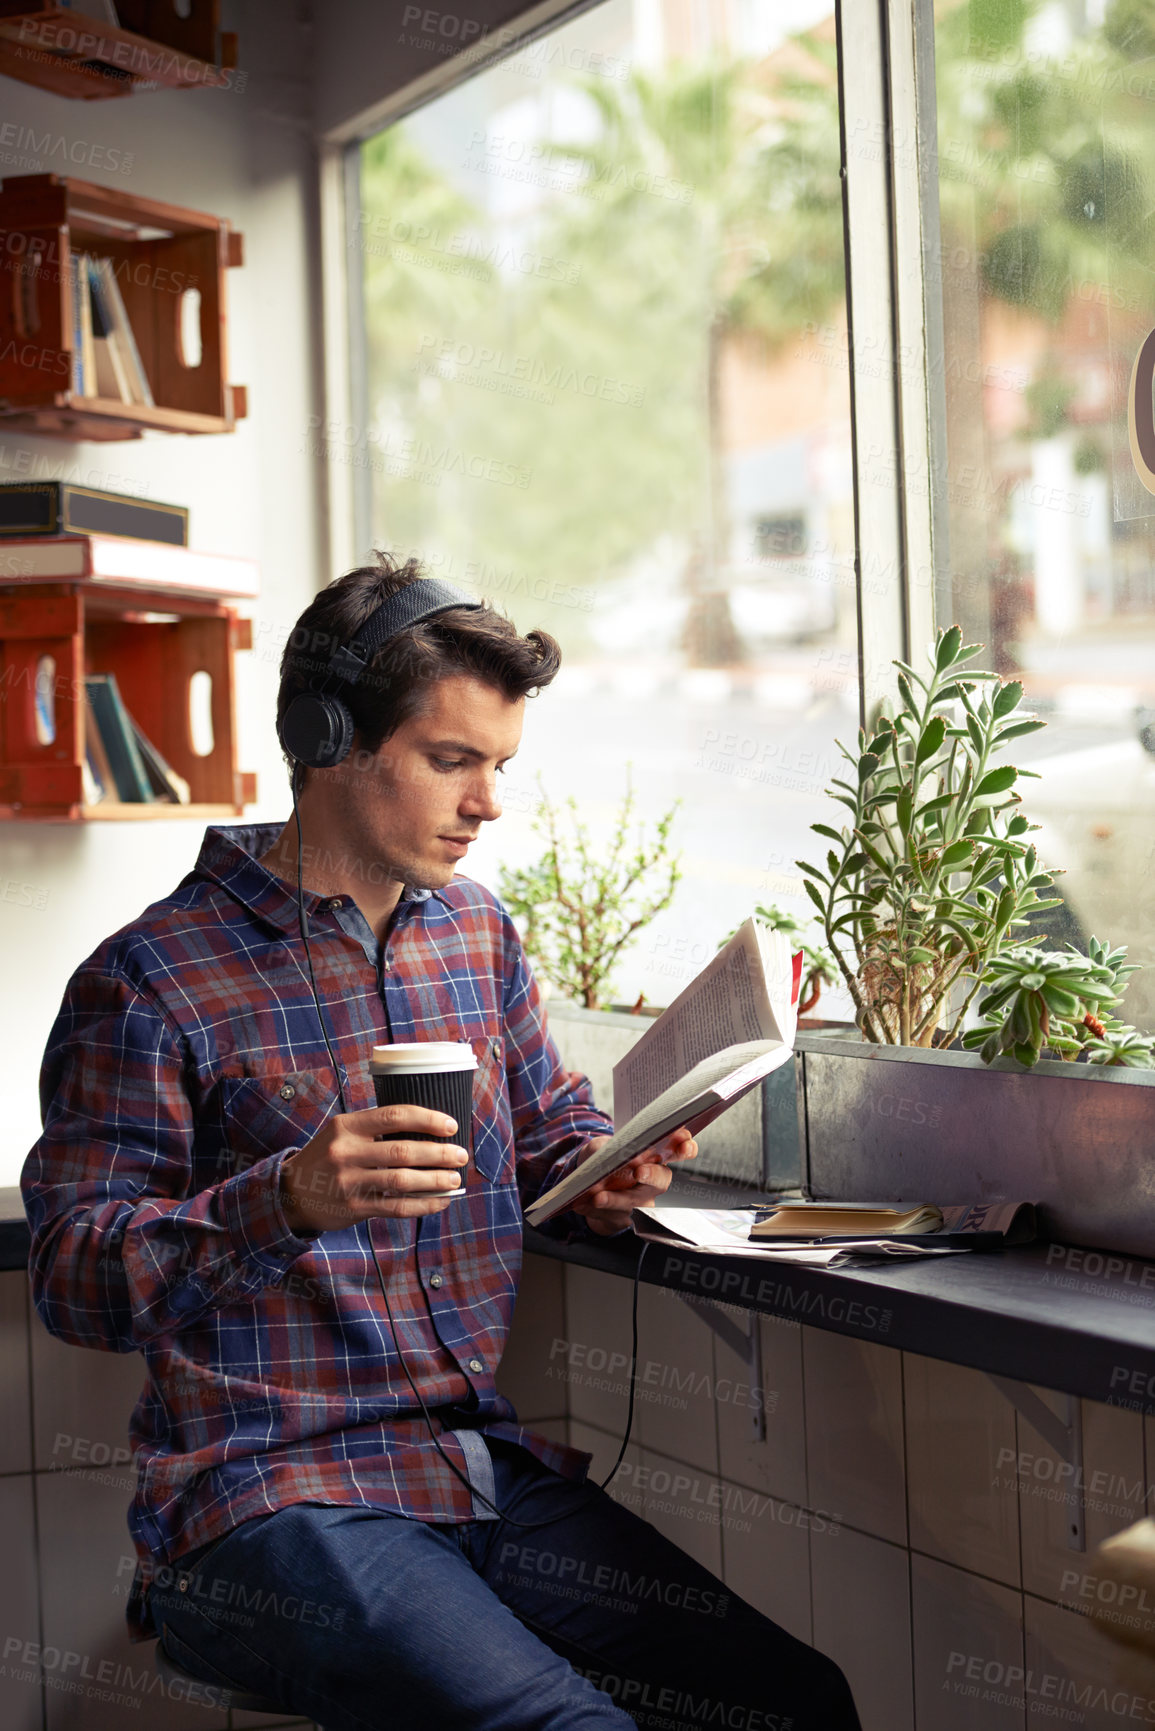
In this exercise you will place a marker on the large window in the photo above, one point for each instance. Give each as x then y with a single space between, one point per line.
1046 181
605 384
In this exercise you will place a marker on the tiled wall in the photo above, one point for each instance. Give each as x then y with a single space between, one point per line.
900 1513
66 1663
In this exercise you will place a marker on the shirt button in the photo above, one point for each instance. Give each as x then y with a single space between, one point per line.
436 1280
476 1366
288 1091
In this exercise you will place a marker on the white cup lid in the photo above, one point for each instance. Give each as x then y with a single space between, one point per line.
422 1056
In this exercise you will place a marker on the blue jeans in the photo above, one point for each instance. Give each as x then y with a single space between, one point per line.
366 1621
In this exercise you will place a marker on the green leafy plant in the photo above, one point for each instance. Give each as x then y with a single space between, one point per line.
1038 999
1042 1000
583 902
927 896
934 875
819 966
1118 1045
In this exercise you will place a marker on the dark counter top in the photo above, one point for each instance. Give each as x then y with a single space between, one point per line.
1080 1321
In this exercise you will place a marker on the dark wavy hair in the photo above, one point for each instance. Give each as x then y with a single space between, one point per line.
395 686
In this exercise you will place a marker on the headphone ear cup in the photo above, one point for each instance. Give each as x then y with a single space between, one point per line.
317 731
343 730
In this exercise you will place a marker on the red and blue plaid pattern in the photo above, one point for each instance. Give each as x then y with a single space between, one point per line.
186 1062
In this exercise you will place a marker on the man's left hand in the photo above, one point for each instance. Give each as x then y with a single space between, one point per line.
608 1208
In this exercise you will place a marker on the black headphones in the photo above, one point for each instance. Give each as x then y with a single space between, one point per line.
317 728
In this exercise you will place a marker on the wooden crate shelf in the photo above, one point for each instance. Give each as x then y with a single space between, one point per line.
54 633
72 55
159 253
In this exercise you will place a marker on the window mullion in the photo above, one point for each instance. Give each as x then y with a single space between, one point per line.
340 277
918 315
875 437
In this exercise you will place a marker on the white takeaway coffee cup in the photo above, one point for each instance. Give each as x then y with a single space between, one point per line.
434 1073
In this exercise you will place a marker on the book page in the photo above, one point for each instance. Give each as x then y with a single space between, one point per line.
707 1083
744 994
684 1102
783 974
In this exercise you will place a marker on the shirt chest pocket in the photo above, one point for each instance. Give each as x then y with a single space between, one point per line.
276 1108
492 1124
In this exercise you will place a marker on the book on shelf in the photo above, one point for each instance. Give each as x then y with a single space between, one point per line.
125 561
121 761
115 317
731 1026
165 782
104 11
85 336
62 508
77 287
106 706
96 771
111 377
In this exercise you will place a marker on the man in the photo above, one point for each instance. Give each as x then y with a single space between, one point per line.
328 1481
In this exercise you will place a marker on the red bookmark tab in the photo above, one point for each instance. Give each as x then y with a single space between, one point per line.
797 981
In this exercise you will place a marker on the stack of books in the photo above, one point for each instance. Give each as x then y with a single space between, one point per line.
121 762
105 359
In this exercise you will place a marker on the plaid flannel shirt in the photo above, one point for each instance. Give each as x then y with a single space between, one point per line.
186 1063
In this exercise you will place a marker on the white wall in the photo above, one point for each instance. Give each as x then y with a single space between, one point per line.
246 154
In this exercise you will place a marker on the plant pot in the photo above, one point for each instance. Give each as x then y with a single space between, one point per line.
899 1124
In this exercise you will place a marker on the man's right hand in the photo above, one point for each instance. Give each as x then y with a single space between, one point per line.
345 1174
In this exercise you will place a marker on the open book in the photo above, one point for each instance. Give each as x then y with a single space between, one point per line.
729 1028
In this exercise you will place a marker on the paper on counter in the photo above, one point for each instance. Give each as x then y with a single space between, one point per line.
724 1232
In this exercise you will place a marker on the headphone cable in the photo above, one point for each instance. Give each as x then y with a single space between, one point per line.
525 1526
303 923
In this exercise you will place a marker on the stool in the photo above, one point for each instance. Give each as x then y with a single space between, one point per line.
233 1698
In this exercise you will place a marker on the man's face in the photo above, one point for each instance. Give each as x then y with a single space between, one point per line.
416 804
